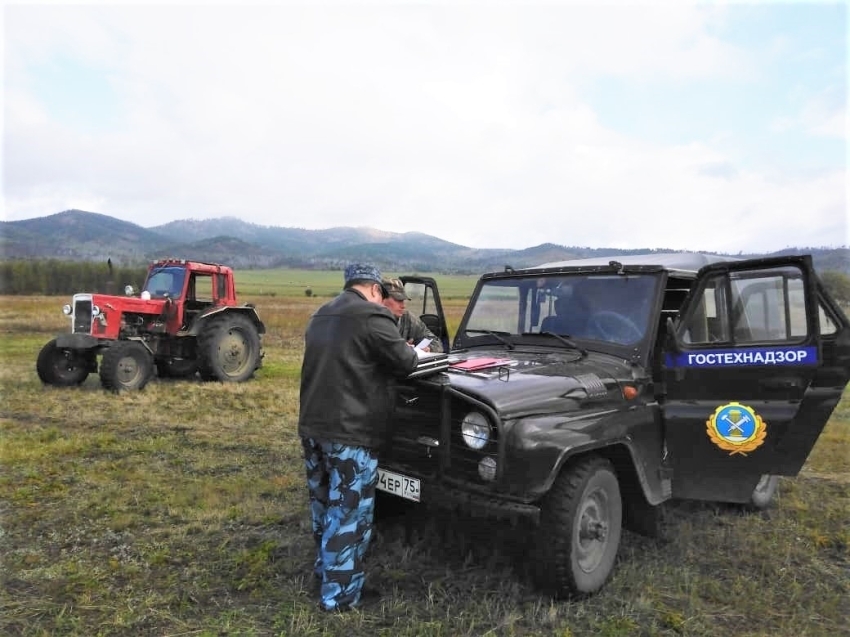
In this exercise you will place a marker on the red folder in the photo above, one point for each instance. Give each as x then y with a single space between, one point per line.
474 364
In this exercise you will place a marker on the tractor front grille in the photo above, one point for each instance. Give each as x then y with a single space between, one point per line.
82 316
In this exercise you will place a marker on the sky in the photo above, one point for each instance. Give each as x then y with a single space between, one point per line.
710 127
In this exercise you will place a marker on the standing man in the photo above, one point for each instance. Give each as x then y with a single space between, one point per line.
352 356
411 327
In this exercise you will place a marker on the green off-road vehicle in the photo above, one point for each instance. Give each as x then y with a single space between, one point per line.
581 395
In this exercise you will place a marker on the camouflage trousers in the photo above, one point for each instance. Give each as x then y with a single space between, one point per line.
341 480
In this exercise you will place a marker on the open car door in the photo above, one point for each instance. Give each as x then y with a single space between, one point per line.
425 303
753 370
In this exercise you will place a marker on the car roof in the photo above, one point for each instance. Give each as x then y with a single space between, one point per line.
677 261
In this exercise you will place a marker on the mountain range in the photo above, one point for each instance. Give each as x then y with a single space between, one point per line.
76 235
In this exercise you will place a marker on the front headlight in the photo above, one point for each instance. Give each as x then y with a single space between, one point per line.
95 311
487 468
475 429
66 310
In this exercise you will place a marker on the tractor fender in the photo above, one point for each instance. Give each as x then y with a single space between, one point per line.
245 310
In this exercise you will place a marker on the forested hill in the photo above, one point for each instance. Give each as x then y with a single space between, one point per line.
76 235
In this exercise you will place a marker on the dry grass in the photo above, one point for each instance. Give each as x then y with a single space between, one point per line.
181 510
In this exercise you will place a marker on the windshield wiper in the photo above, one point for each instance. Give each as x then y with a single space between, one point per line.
499 336
564 339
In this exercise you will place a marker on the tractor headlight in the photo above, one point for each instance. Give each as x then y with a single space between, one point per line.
95 311
475 429
66 310
128 290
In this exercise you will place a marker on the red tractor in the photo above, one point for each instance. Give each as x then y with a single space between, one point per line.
185 321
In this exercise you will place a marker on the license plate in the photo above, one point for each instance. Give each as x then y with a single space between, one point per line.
399 485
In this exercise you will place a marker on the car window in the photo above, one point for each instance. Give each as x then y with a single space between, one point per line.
602 307
708 323
496 308
421 298
202 285
768 307
749 307
166 281
828 324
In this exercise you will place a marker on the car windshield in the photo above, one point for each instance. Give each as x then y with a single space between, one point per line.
612 308
166 281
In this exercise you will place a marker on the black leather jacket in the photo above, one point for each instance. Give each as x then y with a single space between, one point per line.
353 355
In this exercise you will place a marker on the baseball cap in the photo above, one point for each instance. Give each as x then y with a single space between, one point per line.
395 288
364 273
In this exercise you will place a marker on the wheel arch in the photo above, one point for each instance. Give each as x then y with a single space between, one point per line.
214 312
638 498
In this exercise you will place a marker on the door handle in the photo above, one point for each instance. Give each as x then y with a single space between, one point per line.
781 383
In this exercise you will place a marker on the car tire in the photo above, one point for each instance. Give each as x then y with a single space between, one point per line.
579 530
61 367
764 492
126 365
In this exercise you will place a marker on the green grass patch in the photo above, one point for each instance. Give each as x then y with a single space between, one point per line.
182 510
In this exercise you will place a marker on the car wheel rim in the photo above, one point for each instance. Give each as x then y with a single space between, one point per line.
592 533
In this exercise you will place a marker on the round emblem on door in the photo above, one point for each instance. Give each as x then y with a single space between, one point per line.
736 428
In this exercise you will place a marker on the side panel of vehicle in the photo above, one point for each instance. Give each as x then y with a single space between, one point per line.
538 449
743 394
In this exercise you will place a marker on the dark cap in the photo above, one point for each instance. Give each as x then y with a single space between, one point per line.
395 288
362 273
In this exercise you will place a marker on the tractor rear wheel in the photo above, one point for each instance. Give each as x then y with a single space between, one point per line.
229 349
126 365
61 367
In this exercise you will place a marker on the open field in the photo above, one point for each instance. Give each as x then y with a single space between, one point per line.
182 510
328 283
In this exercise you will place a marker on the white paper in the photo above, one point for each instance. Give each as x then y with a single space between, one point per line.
425 342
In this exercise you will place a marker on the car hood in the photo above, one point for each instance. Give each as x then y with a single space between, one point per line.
517 383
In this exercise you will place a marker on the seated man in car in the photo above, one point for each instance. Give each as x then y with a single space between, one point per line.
570 317
599 308
411 327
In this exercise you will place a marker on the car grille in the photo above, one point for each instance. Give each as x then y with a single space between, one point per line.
82 316
426 434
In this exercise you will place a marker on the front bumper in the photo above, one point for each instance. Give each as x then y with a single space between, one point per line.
478 504
78 341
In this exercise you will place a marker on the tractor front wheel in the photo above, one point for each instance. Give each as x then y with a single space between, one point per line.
61 367
126 365
229 349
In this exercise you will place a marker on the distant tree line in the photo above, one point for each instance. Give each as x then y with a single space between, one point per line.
52 276
838 285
